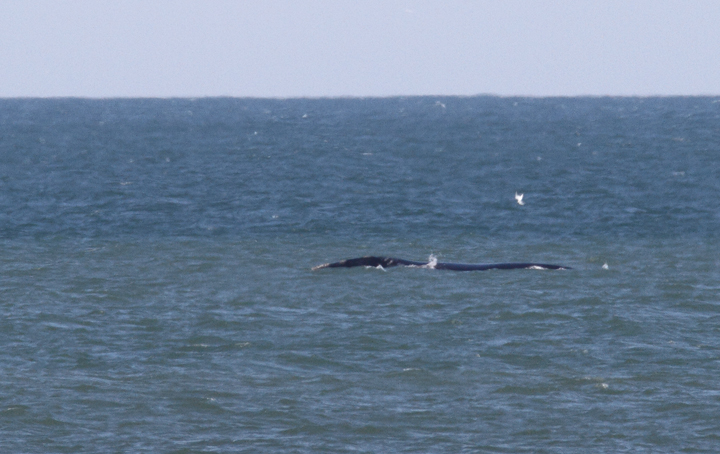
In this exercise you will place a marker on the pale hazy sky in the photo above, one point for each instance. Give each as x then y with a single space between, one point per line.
311 48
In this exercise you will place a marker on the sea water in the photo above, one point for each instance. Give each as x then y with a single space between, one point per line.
156 291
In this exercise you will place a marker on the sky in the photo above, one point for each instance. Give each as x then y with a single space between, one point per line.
359 48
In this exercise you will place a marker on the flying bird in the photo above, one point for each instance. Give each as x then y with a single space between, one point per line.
519 198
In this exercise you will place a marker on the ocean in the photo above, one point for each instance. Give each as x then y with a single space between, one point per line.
156 291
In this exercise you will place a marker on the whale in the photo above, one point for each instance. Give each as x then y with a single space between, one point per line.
389 262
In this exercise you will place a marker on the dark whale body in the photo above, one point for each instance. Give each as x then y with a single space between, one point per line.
387 262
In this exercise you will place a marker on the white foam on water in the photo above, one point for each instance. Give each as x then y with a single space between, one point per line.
432 262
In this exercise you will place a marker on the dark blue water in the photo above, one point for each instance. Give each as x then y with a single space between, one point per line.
156 292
